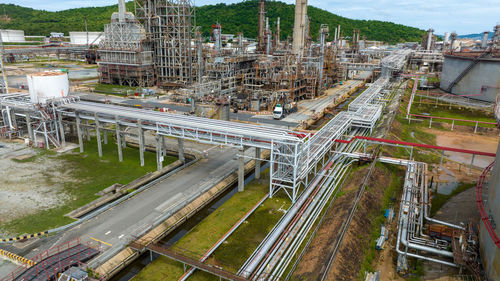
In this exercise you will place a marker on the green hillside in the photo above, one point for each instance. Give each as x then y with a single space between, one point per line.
240 17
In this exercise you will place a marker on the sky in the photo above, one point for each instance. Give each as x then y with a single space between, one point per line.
463 17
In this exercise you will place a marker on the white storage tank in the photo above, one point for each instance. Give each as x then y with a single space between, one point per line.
12 36
80 38
48 85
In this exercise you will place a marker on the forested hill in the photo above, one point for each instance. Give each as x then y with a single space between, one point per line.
234 18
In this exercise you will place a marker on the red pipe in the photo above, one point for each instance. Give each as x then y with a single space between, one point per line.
480 206
418 145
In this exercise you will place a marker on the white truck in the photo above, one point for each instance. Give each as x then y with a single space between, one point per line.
280 111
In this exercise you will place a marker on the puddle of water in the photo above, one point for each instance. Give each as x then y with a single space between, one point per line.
446 184
445 188
82 73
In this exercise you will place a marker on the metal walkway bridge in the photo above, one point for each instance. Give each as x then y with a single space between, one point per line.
293 154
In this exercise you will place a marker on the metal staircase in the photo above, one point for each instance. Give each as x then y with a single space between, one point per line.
467 70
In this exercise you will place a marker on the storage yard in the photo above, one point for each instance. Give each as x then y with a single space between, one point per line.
151 151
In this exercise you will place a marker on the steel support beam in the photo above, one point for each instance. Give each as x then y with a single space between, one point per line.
28 124
159 157
118 140
79 131
257 163
180 142
61 130
241 170
140 133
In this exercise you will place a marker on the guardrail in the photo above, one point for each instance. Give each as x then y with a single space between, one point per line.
453 120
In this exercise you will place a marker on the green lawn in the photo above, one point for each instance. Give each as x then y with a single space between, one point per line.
90 175
240 244
114 89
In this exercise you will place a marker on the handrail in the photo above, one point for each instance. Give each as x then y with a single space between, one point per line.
454 119
480 205
474 152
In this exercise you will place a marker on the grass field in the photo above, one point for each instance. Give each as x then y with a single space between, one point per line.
89 174
114 89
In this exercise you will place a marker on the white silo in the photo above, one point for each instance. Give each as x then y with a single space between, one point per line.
48 85
12 36
446 39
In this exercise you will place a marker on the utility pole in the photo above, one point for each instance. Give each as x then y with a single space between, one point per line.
87 31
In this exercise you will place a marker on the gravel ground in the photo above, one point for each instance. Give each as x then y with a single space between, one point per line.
28 187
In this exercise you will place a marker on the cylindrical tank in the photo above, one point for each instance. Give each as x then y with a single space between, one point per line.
12 36
429 38
84 38
48 85
484 41
490 253
446 38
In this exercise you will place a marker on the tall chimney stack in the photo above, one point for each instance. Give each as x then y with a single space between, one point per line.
484 42
446 39
429 39
261 37
299 26
122 9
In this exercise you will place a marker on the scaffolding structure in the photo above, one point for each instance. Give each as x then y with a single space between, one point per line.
125 55
170 25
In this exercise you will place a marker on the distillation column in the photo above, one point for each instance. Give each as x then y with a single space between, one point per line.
299 27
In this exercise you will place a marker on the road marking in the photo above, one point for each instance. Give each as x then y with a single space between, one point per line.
107 232
120 237
100 241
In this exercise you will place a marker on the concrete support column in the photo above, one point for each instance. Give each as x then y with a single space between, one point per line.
61 131
98 135
28 124
257 163
181 150
159 156
88 130
13 117
164 146
124 141
241 170
141 141
105 135
79 132
118 140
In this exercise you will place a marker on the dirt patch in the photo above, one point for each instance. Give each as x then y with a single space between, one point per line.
31 186
352 251
314 257
464 140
